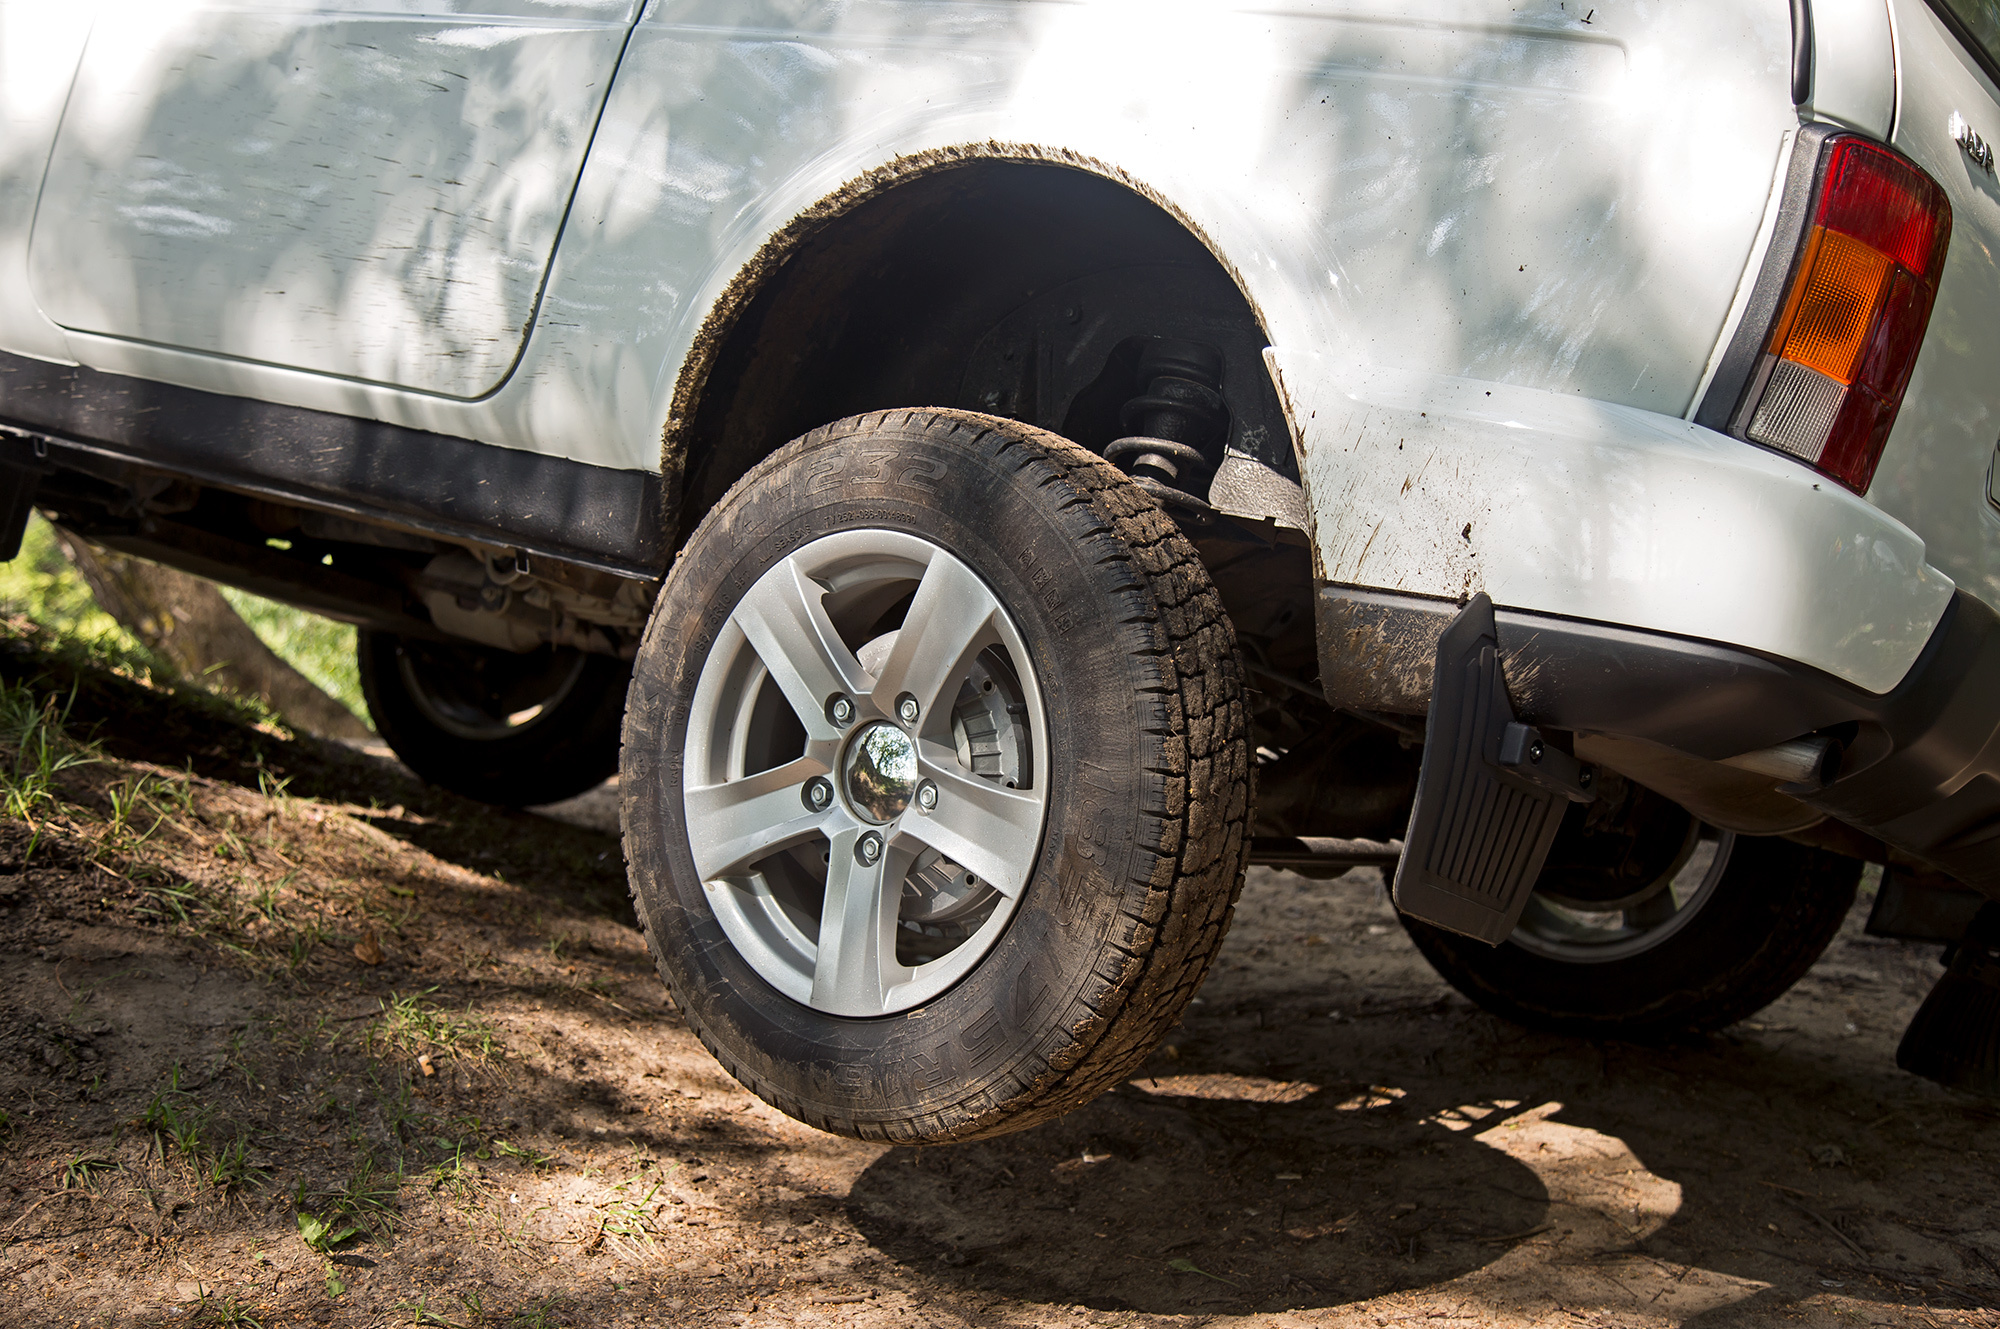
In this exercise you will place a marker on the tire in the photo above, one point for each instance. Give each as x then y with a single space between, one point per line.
1122 838
1753 917
454 714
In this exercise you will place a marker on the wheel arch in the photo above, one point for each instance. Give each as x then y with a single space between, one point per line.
776 354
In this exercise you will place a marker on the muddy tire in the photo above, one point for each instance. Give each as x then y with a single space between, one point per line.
1751 921
514 730
935 605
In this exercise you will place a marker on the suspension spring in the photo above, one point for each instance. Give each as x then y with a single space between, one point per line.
1175 428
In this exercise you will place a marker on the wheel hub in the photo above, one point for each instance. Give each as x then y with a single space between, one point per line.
879 773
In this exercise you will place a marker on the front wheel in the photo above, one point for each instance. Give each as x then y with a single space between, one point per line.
935 777
1653 926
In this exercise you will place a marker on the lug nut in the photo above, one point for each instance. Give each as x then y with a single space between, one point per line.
869 850
907 708
840 710
818 794
927 796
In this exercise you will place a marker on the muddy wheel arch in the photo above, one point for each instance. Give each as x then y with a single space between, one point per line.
887 292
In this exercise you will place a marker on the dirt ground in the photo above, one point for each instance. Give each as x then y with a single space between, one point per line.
287 1039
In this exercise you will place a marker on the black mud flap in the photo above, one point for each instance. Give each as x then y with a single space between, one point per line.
1955 1037
1490 794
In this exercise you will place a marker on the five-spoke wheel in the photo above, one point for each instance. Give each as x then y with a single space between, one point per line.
866 819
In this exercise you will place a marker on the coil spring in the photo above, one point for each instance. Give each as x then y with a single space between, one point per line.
1174 429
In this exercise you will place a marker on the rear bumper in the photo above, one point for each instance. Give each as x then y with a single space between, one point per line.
1921 767
1447 487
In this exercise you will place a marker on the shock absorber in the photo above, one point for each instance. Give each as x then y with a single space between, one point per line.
1174 429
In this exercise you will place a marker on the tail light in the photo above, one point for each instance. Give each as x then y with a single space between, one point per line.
1833 370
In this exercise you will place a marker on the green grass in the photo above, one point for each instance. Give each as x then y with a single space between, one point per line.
319 648
225 1310
41 585
82 1170
629 1218
321 1235
187 1129
366 1200
33 727
413 1025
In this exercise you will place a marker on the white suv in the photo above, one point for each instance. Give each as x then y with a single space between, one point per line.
1541 449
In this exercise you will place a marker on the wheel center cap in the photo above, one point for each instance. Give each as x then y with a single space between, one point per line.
879 773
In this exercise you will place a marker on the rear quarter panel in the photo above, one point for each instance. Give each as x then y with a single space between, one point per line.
1476 189
1936 470
1528 193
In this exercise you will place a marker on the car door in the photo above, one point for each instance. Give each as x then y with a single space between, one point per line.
352 187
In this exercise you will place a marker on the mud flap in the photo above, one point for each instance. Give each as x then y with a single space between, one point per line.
1490 794
17 502
1955 1037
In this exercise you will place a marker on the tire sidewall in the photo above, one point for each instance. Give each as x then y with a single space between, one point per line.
1058 963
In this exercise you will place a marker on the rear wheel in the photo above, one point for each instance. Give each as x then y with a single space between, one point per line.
935 777
1647 922
513 729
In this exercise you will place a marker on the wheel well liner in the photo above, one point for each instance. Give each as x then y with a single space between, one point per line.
893 292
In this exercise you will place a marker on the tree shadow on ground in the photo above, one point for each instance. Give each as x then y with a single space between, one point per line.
1270 1157
1718 1179
1167 1198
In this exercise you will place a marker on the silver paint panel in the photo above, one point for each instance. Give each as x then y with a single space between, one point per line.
1854 65
1479 196
40 44
1933 474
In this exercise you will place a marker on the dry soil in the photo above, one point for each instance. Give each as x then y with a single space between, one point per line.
288 1039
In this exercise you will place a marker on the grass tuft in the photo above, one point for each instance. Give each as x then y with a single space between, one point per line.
33 727
180 1127
321 1235
82 1171
225 1311
418 1027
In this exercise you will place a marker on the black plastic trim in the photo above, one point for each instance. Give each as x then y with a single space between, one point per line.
1802 52
440 484
1705 699
1732 381
1921 769
18 484
1288 851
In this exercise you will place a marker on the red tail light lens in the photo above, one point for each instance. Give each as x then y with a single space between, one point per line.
1848 332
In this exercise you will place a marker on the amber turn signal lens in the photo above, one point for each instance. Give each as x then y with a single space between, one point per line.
1833 305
